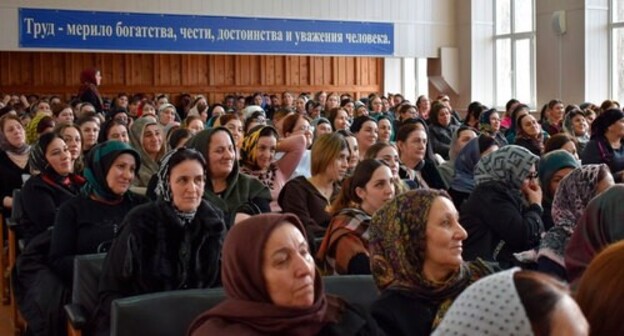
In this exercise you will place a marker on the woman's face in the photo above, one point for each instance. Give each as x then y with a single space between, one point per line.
332 102
72 139
367 136
337 169
152 139
90 131
530 126
556 179
303 127
385 130
187 185
322 129
300 105
590 117
167 116
444 117
288 268
221 155
66 116
377 191
463 138
287 98
390 156
444 236
349 107
342 120
14 132
121 173
58 156
570 147
414 147
424 104
148 109
354 157
579 125
235 126
556 113
98 79
377 105
322 98
361 111
265 151
258 99
617 128
196 126
410 113
119 133
495 121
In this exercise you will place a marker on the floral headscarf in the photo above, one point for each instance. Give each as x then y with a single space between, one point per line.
571 198
397 251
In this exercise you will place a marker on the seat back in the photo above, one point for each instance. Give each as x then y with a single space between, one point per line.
356 289
87 270
166 313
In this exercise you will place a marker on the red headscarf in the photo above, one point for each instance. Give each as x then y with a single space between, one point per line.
248 309
87 76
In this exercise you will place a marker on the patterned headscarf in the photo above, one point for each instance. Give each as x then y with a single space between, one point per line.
31 128
600 226
248 148
6 146
490 306
484 122
509 165
37 158
397 251
571 198
98 163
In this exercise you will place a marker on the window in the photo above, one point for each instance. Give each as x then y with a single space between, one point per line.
514 48
617 50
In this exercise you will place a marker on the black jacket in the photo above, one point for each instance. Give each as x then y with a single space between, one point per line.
399 314
498 224
154 253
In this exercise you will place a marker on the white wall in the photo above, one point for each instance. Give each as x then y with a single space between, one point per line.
421 27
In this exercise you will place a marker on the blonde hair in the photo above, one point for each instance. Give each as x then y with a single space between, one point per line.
325 150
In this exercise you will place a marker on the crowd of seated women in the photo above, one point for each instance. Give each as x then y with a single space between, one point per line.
263 195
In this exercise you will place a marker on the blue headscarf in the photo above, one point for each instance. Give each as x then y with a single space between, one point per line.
99 161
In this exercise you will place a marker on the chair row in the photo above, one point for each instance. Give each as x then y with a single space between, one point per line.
151 314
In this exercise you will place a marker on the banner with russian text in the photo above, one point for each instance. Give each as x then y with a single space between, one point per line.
85 30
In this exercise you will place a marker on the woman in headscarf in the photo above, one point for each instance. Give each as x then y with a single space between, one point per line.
272 286
490 123
226 187
515 302
600 226
463 182
507 180
553 167
415 251
90 79
575 124
14 168
460 138
147 137
258 154
88 223
607 144
573 193
170 244
344 249
441 129
43 194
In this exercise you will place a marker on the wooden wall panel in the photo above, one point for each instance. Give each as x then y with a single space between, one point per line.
215 76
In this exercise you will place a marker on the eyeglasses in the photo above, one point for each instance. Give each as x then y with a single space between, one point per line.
532 175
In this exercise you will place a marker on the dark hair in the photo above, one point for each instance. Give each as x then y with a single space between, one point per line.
405 131
253 117
58 108
7 117
362 173
539 294
514 114
333 113
372 151
226 118
486 142
359 122
474 111
87 118
103 136
46 139
557 141
186 154
511 103
178 135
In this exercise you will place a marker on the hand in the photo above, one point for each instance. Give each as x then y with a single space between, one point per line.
6 99
533 193
24 101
